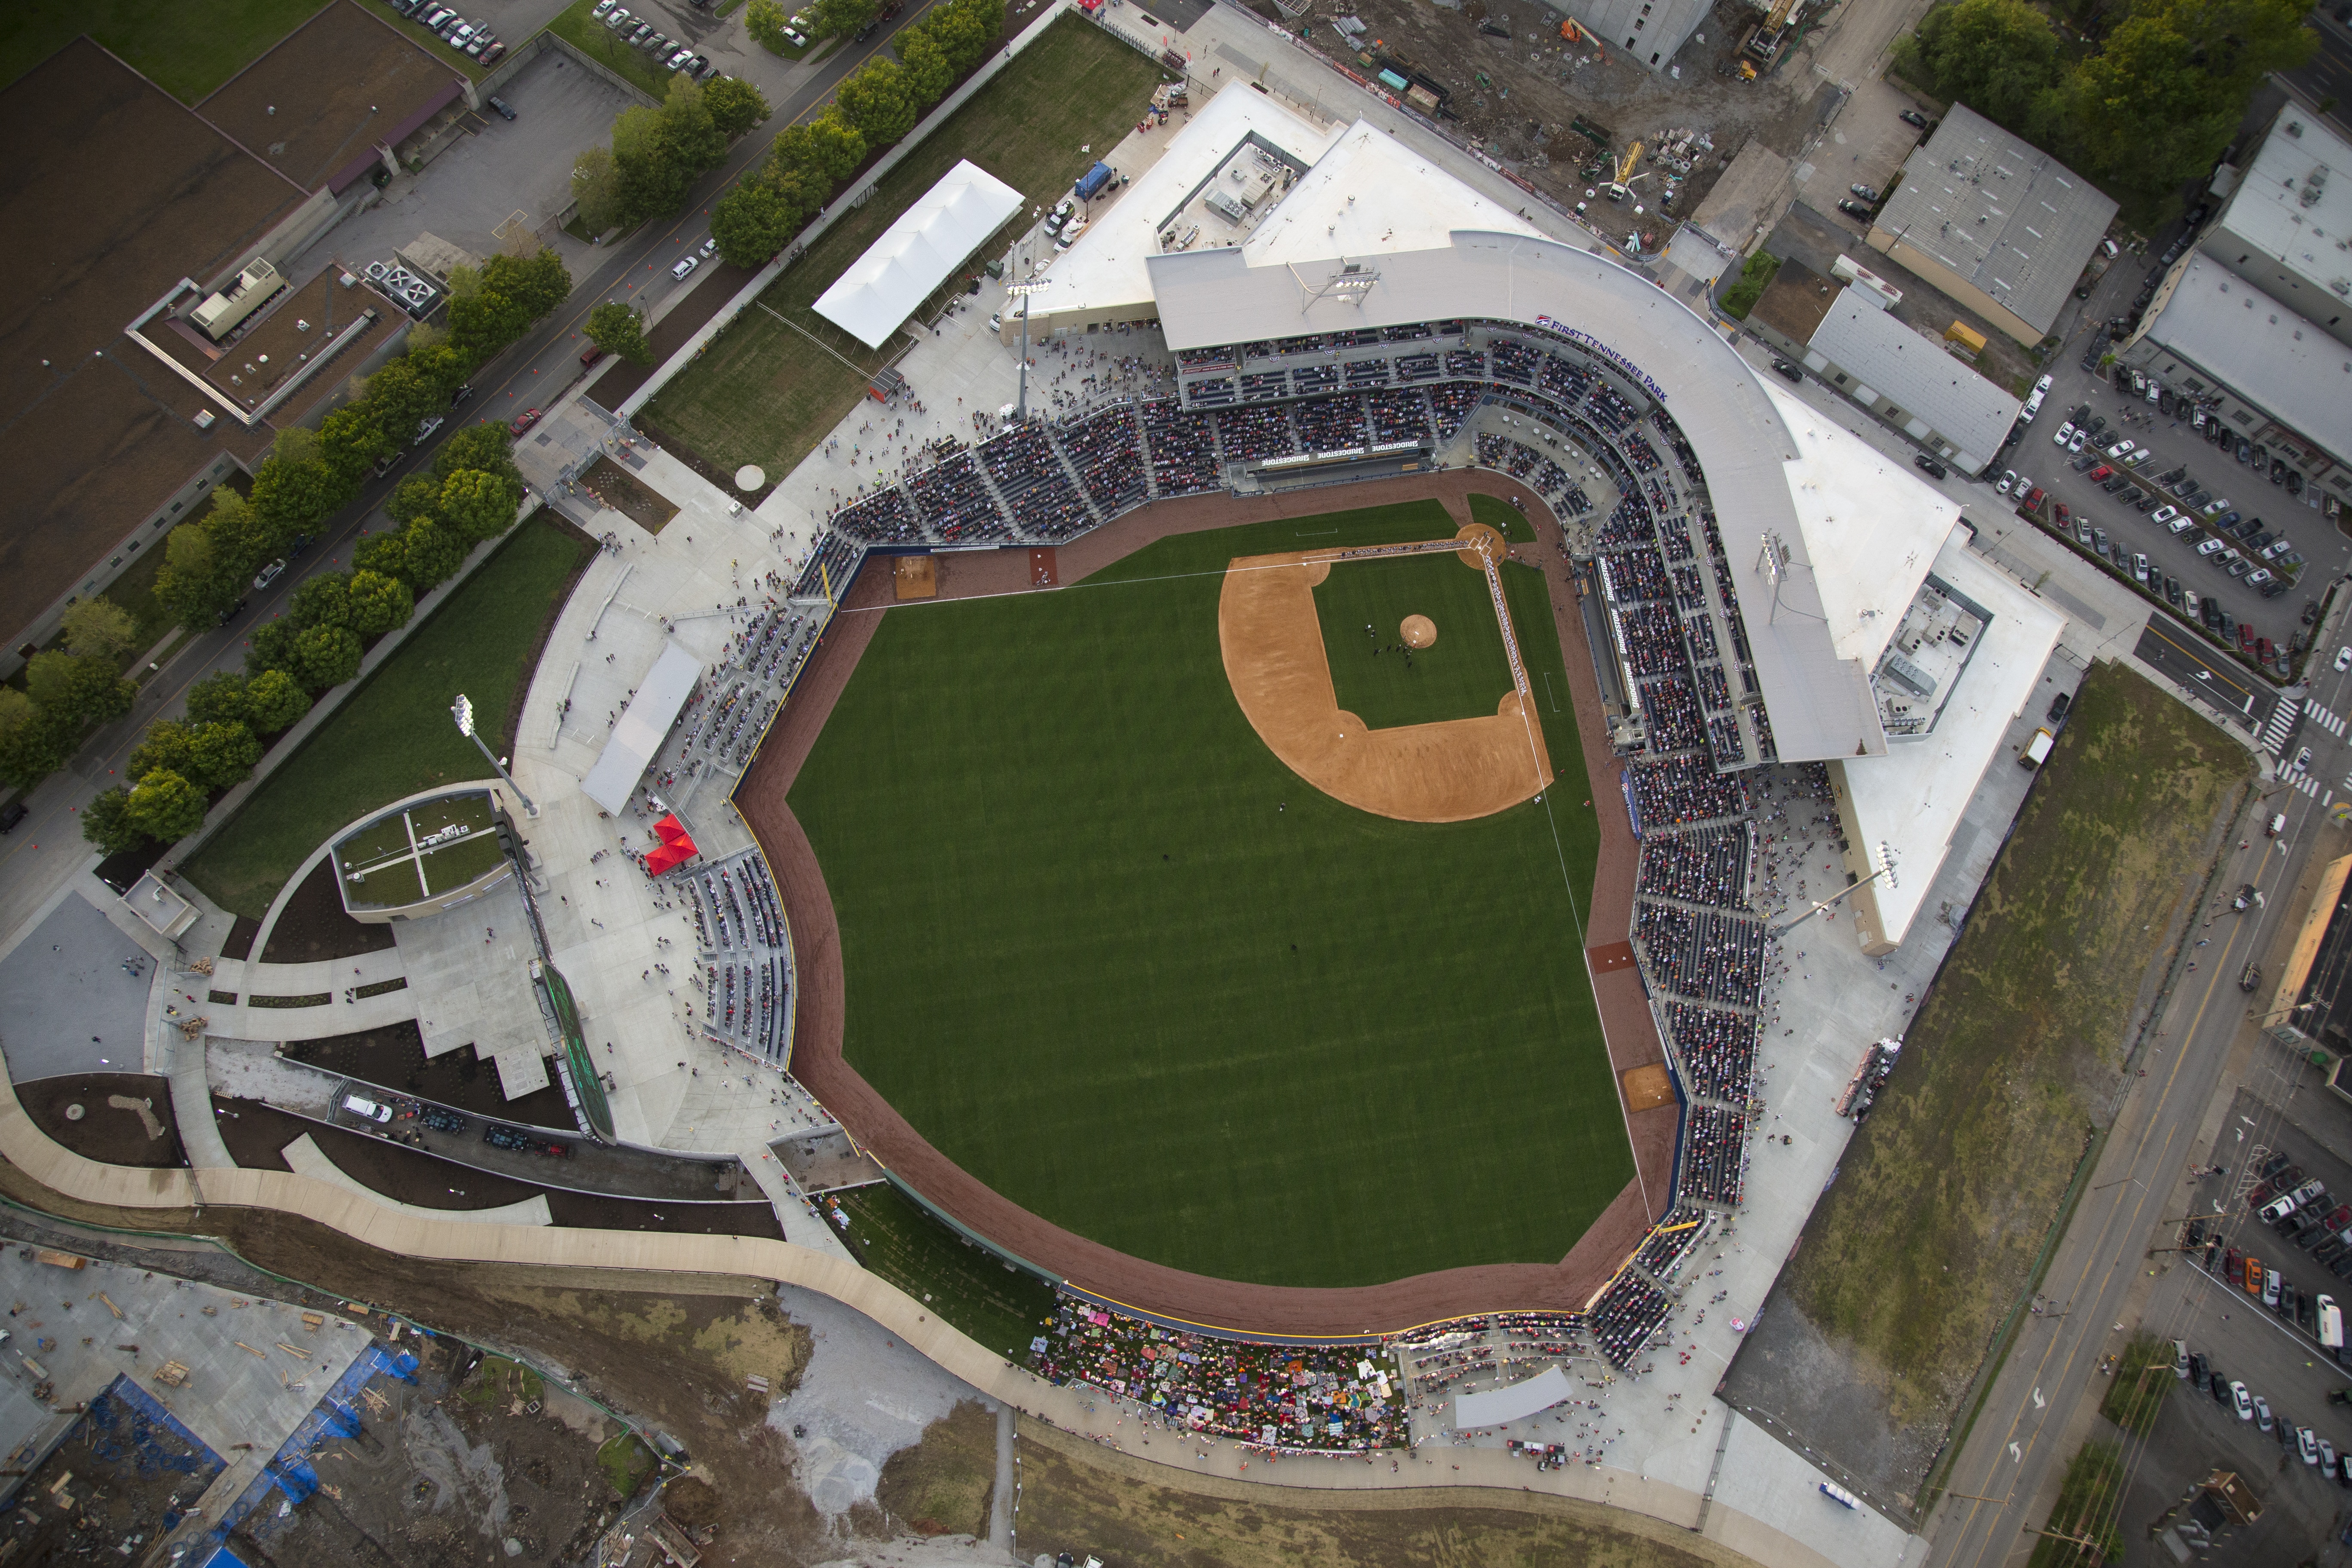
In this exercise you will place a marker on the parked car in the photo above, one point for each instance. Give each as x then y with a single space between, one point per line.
2008 481
1780 367
2242 1402
11 815
523 421
268 575
1913 117
498 107
1854 208
2065 434
2059 705
440 1119
686 264
1865 191
367 1110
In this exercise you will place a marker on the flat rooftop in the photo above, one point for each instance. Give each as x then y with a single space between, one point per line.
2243 338
1998 212
1796 301
280 341
2294 204
316 105
1917 374
129 192
1908 803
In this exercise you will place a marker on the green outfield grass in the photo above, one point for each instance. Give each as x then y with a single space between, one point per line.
1463 675
1122 965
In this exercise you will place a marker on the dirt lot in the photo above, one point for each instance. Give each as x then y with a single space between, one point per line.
619 490
945 1484
1078 1498
313 928
119 1477
475 1463
1537 86
395 1058
117 1134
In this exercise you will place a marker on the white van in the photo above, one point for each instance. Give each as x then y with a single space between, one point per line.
367 1110
2037 749
2331 1324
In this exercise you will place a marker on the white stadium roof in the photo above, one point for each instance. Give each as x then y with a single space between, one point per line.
882 287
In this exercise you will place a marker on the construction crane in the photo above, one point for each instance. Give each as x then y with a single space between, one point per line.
1764 43
1622 186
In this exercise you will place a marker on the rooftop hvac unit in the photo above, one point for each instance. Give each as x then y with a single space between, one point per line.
204 419
376 271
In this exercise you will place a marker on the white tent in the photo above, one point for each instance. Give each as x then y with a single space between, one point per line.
641 729
1498 1405
930 241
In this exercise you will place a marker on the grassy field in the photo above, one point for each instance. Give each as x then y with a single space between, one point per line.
1120 963
1133 1513
943 1484
997 1306
187 50
1463 675
763 393
394 736
1944 1199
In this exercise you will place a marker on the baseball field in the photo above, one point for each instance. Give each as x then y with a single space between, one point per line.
1114 958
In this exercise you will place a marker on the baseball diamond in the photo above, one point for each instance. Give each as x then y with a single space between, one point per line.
1173 999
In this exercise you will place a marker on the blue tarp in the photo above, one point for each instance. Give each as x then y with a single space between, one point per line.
288 1470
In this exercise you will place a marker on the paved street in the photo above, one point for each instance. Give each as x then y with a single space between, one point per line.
2327 77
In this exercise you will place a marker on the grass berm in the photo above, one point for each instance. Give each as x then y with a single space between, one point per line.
1944 1198
1117 962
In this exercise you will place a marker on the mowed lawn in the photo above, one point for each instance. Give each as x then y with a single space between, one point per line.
1122 965
764 393
394 736
187 49
1944 1198
1463 675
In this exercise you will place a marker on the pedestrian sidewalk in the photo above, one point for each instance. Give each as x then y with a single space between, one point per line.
802 1225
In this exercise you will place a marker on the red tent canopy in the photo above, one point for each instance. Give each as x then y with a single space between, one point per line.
676 849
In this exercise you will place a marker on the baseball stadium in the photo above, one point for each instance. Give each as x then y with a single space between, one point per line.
1304 911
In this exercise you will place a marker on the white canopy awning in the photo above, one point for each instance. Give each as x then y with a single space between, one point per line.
642 726
1498 1405
882 287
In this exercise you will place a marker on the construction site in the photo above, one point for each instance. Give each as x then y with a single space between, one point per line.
1636 150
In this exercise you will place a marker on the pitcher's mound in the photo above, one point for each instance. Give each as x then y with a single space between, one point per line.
1419 631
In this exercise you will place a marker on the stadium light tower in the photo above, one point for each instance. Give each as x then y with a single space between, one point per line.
463 711
1021 291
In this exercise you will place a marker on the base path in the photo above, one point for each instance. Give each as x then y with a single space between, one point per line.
819 1025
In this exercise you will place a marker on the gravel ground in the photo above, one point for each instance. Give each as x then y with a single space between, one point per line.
250 1070
863 1398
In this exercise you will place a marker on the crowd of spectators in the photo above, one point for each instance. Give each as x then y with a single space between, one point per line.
1677 724
1627 1318
1036 488
1452 403
1332 424
953 499
1715 1154
1652 635
1701 953
1398 416
882 518
1709 865
1674 1238
1183 448
1109 455
1253 434
1276 1396
1716 1051
1683 790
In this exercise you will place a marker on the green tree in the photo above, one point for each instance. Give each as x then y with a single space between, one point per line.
764 20
837 19
735 105
652 181
352 439
478 506
751 223
82 691
106 822
2154 108
99 627
929 73
34 743
428 554
378 604
196 583
271 647
597 186
689 132
875 100
406 392
166 806
1999 56
219 699
274 699
164 745
326 655
826 151
418 495
322 600
539 282
484 446
487 321
620 329
221 755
